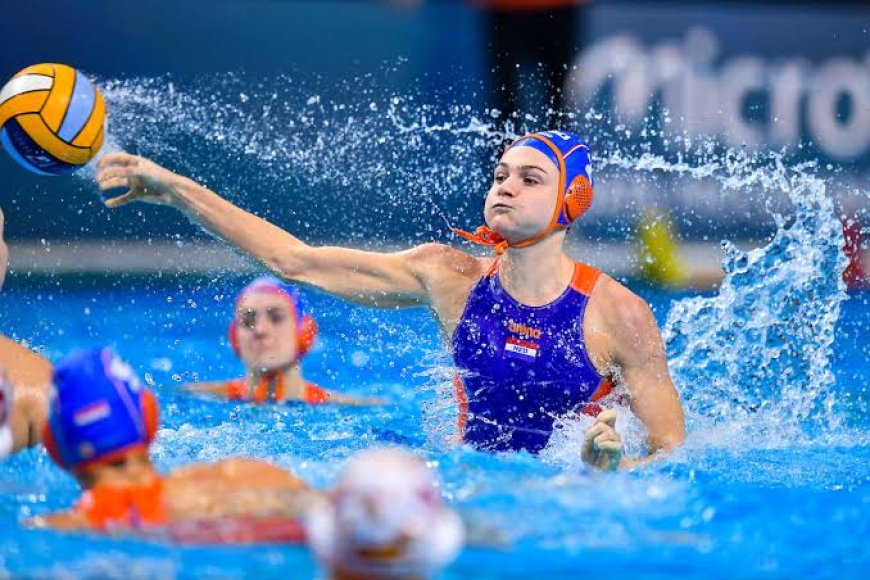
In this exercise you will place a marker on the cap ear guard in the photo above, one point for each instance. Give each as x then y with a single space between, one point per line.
578 198
150 414
306 334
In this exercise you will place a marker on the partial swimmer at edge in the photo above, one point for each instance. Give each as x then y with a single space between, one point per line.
27 376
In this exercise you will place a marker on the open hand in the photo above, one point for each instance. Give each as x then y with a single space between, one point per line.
145 180
602 445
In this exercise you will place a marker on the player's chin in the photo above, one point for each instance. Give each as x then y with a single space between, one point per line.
501 223
272 363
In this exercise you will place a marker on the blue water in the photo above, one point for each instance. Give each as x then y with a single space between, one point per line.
722 506
772 368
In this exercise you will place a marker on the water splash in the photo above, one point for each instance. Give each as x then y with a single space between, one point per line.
758 354
760 348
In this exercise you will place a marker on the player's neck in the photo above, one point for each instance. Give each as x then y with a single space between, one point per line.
289 377
133 469
537 274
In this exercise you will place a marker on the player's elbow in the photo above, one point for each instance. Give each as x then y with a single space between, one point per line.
294 264
672 436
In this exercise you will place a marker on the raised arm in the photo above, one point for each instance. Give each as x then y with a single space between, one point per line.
371 278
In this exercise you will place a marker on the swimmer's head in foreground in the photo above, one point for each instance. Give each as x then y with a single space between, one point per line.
101 423
271 331
5 414
385 519
542 184
101 419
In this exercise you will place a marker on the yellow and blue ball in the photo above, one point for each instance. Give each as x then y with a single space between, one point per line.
51 119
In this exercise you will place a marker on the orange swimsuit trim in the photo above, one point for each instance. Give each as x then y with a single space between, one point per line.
237 390
107 506
142 509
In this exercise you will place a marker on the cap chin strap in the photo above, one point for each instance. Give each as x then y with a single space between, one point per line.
485 236
271 385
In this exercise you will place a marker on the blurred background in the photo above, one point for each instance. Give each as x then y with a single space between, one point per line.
373 122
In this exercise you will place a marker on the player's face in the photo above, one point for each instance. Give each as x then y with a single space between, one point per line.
522 198
266 331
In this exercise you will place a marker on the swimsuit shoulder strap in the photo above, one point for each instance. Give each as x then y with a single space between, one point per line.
315 394
125 506
237 389
584 279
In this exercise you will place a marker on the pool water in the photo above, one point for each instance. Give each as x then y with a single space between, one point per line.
772 368
727 504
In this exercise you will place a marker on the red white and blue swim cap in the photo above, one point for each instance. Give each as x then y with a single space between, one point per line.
306 326
385 519
98 411
570 155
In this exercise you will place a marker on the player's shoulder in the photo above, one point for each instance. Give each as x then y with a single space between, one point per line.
441 260
619 307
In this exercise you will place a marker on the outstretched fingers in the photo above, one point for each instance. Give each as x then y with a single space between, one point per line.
112 181
118 159
121 199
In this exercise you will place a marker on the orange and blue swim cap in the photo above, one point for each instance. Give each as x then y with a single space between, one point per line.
570 154
98 410
306 326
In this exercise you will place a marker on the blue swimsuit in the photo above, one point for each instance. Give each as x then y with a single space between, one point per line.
523 367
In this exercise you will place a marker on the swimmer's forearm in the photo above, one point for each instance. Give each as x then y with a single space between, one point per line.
382 280
263 241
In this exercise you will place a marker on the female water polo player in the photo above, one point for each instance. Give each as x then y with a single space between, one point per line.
101 422
536 336
271 332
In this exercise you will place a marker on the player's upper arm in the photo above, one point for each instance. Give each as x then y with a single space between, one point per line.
370 278
216 388
639 354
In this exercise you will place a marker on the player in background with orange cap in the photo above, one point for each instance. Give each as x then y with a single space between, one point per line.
271 332
541 185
